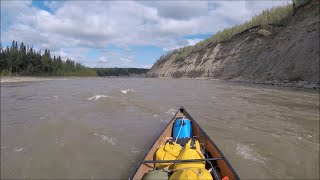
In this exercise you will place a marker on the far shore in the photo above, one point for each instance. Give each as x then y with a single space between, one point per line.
9 79
5 79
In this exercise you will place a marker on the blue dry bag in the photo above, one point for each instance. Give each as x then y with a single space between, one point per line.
182 129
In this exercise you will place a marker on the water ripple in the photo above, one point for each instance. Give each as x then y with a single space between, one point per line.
247 152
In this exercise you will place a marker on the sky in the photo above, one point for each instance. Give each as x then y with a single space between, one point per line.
120 33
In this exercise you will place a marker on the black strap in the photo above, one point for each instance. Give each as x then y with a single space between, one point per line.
181 161
170 141
182 123
193 143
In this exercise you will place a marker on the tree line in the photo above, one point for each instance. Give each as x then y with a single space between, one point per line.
22 60
26 61
102 72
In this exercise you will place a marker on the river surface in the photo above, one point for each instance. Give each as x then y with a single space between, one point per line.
93 128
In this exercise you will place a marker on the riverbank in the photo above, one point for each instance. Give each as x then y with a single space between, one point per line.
285 83
288 55
5 79
295 84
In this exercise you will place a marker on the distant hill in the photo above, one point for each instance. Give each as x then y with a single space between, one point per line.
136 72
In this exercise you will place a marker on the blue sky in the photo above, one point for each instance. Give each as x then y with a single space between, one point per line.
120 33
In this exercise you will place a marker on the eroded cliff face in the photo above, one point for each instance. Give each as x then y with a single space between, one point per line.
288 53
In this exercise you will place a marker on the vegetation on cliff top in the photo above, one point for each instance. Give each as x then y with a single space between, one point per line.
273 16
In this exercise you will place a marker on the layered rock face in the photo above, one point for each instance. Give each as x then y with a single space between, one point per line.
281 54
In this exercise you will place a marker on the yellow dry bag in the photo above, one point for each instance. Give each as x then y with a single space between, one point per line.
191 173
169 151
191 151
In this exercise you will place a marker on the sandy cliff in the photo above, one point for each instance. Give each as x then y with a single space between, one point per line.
283 55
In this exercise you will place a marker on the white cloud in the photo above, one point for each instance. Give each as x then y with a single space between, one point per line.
180 10
183 43
97 24
126 60
146 66
103 60
193 41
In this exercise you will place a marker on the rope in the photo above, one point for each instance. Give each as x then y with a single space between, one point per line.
178 133
179 130
196 173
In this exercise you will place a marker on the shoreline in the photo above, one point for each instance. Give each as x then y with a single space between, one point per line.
11 79
296 84
303 85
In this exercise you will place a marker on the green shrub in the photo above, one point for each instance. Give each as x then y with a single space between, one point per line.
300 3
6 73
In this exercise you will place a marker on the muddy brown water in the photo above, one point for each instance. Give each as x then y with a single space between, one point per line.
93 128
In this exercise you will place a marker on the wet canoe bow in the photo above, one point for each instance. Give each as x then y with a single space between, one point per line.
223 166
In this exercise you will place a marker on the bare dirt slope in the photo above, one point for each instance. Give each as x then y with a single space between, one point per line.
283 55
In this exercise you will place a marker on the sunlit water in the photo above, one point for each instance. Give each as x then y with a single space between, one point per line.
94 128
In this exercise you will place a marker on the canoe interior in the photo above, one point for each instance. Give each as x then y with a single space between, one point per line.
205 142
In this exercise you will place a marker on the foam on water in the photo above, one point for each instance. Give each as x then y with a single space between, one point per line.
17 149
97 97
247 152
171 111
105 138
134 150
127 90
164 120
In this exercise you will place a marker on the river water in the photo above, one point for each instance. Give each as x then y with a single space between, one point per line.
91 128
